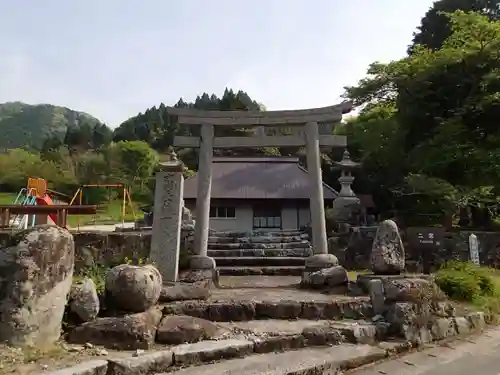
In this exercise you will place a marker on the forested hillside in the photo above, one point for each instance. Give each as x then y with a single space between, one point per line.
24 125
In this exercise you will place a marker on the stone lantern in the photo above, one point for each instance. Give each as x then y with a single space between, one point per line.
346 166
347 207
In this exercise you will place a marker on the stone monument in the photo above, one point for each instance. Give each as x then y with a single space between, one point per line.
388 253
167 219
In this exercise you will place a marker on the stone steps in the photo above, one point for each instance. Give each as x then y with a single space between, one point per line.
259 233
267 271
255 261
331 360
303 244
243 311
257 239
353 331
298 252
280 253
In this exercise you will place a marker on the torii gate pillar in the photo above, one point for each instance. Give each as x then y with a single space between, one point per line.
201 261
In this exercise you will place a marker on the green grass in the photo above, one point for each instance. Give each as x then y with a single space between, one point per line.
7 198
107 213
353 275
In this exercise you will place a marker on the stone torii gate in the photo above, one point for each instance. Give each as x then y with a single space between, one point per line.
310 138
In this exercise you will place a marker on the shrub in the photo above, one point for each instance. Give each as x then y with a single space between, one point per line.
465 281
95 272
458 285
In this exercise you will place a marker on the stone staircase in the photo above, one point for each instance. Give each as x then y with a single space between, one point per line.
277 253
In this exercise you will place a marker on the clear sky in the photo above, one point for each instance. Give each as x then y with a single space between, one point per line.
115 58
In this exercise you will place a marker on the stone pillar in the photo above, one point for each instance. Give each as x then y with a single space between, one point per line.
167 220
321 259
201 260
316 201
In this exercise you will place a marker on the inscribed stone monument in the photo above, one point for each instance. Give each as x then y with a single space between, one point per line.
474 249
167 220
388 254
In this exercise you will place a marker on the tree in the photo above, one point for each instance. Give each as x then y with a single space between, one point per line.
375 140
158 129
446 104
435 26
131 162
101 136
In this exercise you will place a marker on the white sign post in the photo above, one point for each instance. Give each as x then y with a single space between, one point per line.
474 249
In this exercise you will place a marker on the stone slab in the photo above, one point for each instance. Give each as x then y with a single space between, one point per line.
227 311
185 291
253 291
256 239
271 344
273 327
353 331
268 271
304 361
228 282
299 252
143 364
96 367
257 233
259 261
260 246
206 351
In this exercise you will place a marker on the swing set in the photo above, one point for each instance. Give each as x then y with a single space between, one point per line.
126 198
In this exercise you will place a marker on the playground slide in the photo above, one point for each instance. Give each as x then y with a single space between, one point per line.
47 200
23 198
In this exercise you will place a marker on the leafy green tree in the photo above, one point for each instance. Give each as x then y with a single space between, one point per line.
132 162
446 104
101 136
435 26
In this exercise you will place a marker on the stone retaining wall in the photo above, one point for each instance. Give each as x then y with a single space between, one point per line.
113 248
353 250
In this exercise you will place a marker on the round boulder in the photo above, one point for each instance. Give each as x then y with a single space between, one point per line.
331 277
84 301
133 288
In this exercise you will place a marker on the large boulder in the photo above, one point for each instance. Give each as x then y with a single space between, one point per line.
129 332
329 277
133 288
36 270
84 300
388 253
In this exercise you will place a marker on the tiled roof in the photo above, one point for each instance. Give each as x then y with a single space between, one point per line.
257 178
